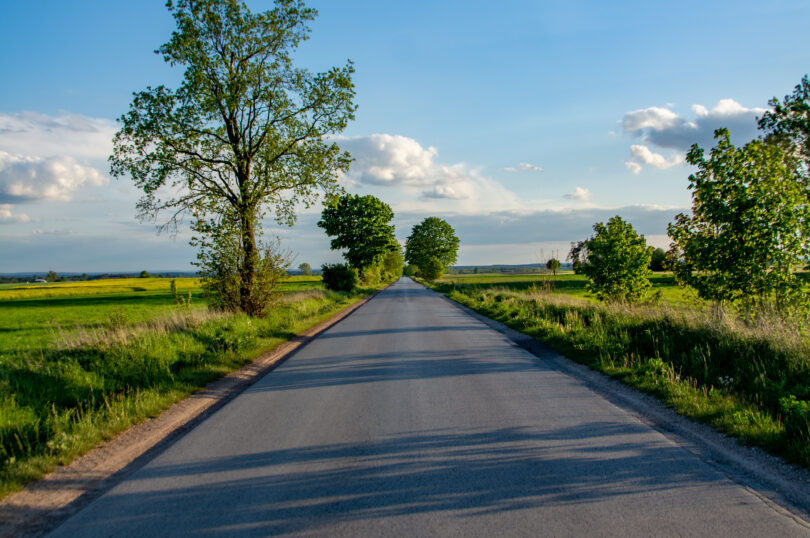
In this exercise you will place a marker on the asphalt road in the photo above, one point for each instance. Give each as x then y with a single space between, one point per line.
411 418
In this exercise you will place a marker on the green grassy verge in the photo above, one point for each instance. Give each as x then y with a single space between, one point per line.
566 283
78 368
751 381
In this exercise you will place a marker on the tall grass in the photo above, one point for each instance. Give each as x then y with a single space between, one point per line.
71 386
749 378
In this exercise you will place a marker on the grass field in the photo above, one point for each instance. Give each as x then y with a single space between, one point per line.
750 379
82 361
565 283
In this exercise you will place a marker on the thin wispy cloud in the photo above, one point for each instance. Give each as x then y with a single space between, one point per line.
524 167
41 135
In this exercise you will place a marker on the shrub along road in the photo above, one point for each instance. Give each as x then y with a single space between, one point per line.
411 417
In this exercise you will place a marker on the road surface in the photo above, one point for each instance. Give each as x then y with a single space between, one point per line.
412 418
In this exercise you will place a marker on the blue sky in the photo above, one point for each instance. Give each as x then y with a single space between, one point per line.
522 124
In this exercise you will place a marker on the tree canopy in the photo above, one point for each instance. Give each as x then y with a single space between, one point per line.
618 260
658 259
750 223
361 225
243 134
578 255
788 121
432 238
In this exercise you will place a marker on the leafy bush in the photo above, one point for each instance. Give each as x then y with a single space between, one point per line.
231 281
339 277
796 415
618 260
432 269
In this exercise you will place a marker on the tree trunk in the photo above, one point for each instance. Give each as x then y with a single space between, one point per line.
247 295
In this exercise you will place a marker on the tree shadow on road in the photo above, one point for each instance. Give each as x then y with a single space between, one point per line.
607 467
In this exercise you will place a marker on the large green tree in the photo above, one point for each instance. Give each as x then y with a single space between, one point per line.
618 260
361 226
749 228
245 133
432 238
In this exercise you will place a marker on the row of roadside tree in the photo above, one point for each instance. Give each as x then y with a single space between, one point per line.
361 227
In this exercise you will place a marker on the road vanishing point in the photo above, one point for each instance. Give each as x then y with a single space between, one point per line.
412 417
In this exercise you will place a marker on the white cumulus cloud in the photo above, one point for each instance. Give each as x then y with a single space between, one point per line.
25 179
384 159
652 119
640 155
664 128
579 193
418 180
50 157
7 215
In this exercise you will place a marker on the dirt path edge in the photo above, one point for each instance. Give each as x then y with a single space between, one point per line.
44 504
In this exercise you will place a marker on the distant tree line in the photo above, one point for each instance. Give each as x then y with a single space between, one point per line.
53 276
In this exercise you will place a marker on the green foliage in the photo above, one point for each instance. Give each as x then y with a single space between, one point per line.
432 238
797 417
393 263
618 261
144 274
245 133
749 228
788 122
306 269
432 269
221 265
361 226
553 265
658 260
339 277
578 256
410 271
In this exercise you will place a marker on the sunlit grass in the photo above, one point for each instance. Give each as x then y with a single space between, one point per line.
569 284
